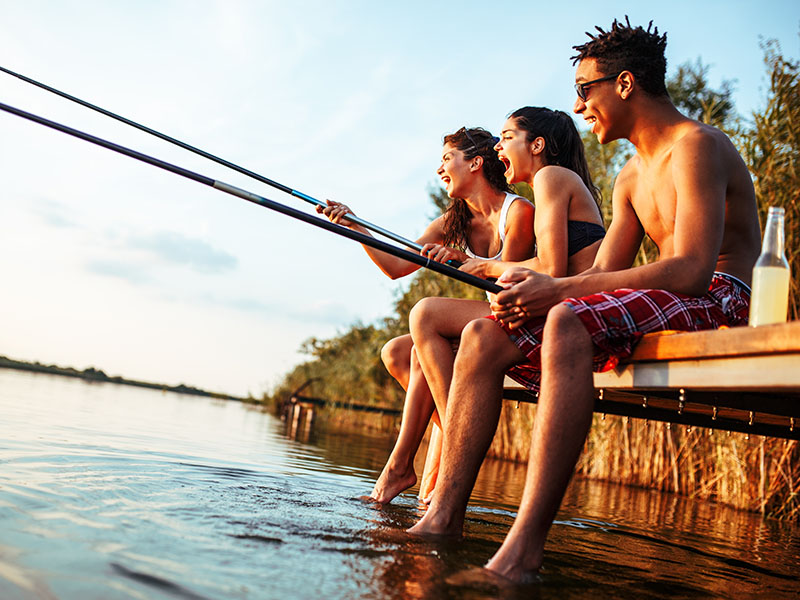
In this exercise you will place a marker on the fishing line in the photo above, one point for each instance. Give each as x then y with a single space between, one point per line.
265 202
284 188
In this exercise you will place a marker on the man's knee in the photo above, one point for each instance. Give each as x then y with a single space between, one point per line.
484 344
564 330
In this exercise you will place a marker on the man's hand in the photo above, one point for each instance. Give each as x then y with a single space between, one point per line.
527 294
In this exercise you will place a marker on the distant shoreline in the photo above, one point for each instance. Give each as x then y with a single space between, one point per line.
96 375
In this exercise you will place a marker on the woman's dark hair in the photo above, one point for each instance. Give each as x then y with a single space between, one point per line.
628 48
562 142
472 142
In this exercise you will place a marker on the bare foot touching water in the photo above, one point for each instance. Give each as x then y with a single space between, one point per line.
484 579
520 566
430 525
391 482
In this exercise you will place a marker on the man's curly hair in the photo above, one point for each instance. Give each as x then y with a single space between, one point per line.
628 48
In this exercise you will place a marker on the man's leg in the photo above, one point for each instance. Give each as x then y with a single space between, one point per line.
563 418
473 410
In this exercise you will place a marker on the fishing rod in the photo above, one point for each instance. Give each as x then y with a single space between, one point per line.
367 240
284 188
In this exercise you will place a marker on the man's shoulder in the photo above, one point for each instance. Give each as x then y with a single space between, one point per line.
693 137
628 173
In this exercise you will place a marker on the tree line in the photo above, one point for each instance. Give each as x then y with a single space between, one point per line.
347 367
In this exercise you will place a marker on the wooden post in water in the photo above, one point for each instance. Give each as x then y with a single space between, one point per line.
309 420
296 409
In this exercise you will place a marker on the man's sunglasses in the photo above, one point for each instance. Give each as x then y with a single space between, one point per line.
580 88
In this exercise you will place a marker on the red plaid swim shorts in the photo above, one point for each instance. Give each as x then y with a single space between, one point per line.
617 320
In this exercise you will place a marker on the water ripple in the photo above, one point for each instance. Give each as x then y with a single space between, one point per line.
112 492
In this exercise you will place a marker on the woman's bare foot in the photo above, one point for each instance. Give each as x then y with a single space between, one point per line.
391 482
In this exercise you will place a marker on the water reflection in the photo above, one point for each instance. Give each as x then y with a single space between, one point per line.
628 542
114 492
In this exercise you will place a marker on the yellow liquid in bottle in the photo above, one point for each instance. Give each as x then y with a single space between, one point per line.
770 299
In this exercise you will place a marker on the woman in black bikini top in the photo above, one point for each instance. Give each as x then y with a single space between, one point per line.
542 147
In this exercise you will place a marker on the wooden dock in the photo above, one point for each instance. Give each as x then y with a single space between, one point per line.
744 379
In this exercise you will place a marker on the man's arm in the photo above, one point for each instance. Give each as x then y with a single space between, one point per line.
618 249
699 179
530 294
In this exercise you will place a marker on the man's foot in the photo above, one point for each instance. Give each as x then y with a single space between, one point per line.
515 567
391 482
484 579
431 525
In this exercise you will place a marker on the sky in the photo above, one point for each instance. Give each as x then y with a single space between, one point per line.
111 263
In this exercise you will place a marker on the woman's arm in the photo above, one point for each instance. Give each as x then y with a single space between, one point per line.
518 246
554 188
391 265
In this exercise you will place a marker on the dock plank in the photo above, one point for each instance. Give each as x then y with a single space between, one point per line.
740 379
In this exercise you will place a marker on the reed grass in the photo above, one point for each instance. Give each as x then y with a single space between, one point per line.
752 473
343 420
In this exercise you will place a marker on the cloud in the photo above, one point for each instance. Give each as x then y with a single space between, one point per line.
177 249
140 258
53 213
119 269
319 313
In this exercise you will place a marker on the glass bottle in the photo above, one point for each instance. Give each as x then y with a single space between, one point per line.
770 299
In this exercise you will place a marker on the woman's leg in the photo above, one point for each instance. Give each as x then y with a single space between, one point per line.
398 473
396 357
435 323
430 472
439 321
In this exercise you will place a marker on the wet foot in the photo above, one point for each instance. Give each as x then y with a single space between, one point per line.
390 483
487 580
432 527
523 570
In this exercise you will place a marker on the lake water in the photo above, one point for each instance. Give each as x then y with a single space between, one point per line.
109 491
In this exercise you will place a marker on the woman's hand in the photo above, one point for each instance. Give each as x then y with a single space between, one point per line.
336 212
474 266
527 294
442 254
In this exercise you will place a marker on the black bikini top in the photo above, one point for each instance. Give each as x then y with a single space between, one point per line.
581 234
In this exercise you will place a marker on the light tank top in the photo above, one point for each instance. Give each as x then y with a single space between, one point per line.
501 226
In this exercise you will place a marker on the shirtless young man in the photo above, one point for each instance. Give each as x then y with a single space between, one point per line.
689 190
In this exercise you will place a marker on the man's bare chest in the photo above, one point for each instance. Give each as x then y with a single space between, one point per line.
653 198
